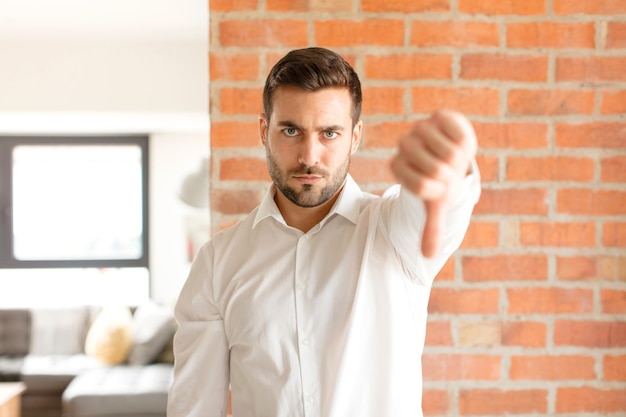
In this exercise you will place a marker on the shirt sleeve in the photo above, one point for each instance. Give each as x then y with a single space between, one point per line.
406 227
201 367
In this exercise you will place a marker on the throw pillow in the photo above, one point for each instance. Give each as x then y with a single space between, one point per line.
152 328
109 339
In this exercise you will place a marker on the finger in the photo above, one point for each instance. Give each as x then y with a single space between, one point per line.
415 181
434 140
414 149
458 128
433 226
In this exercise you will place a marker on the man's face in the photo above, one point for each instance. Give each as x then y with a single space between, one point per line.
308 141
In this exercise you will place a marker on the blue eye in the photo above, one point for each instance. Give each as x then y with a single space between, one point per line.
290 131
329 134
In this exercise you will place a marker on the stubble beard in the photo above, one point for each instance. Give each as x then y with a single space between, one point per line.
308 196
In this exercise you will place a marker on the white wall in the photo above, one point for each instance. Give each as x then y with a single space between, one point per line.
95 84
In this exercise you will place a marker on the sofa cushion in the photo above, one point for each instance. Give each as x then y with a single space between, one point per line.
52 373
11 368
15 328
59 331
153 326
109 339
119 391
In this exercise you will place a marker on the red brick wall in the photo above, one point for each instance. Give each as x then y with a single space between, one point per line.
529 318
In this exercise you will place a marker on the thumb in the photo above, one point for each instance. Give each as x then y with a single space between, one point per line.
433 226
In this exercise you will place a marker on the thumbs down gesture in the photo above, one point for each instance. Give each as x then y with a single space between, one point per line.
431 161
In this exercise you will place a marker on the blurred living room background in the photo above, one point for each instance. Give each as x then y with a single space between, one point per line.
132 77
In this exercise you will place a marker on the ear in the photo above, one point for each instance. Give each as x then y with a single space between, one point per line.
263 128
357 133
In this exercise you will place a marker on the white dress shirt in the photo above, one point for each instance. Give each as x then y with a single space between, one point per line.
328 323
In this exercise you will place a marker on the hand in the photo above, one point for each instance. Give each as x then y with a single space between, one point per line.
431 162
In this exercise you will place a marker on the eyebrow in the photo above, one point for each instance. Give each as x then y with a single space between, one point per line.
289 123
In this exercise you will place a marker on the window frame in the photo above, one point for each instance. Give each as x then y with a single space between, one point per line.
8 143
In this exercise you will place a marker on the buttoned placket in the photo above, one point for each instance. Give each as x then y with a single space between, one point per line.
305 324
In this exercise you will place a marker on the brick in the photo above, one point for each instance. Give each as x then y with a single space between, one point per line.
438 333
506 67
599 401
503 7
243 169
512 201
611 268
531 267
524 334
616 35
375 32
608 7
590 68
455 367
234 201
613 169
613 102
371 170
482 235
232 5
550 102
598 268
511 135
403 6
234 67
263 32
408 66
550 168
497 402
241 100
469 100
613 301
614 234
383 100
575 268
614 368
310 5
550 35
464 301
552 367
591 135
489 167
384 134
592 202
549 300
483 333
566 234
454 33
235 134
590 334
436 402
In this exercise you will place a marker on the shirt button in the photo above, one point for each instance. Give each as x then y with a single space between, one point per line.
305 342
309 399
302 286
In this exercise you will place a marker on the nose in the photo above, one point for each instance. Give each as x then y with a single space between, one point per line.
309 152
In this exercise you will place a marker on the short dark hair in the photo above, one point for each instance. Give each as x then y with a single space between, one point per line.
312 69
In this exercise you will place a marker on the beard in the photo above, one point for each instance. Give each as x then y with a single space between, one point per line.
308 195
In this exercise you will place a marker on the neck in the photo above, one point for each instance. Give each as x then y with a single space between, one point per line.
303 218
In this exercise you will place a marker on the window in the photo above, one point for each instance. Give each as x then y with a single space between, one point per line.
69 202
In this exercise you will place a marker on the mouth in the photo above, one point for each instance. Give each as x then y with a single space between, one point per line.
307 179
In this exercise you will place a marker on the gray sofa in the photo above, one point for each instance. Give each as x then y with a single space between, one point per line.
49 350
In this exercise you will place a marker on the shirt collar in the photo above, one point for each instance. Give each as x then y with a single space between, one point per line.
347 204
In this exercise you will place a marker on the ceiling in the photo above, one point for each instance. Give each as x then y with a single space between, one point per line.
79 19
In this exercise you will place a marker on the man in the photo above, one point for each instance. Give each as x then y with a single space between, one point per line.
315 304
